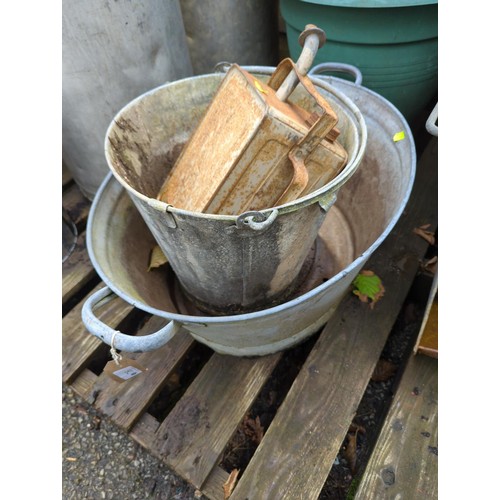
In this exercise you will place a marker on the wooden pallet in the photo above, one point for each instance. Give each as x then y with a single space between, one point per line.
304 437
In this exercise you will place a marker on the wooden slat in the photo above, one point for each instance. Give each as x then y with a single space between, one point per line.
76 205
77 270
125 402
83 383
144 431
193 436
78 345
296 454
213 487
404 463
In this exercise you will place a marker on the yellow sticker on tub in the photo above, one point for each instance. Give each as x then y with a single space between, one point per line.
399 136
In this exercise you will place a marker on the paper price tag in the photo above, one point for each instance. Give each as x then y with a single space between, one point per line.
125 370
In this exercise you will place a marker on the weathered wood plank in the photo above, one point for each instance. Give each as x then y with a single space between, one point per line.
124 402
83 383
76 205
213 487
296 454
144 431
404 463
193 436
78 345
77 270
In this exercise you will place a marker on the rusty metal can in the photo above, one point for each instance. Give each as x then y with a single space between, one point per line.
254 150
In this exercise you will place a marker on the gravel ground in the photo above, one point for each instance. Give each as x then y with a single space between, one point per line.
99 461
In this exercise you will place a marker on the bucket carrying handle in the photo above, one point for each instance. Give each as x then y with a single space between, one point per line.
322 127
121 341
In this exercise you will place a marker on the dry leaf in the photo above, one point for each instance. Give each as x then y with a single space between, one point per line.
230 483
426 235
383 371
253 429
430 265
368 286
350 451
354 427
173 382
81 409
157 258
96 423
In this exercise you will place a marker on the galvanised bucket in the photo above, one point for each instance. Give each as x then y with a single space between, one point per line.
367 209
226 264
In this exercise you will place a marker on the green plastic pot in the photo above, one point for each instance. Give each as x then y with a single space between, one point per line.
393 43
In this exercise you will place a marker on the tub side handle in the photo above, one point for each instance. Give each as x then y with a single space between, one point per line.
340 68
430 124
121 341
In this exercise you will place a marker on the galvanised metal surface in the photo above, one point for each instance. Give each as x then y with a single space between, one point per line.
368 207
227 263
111 53
239 31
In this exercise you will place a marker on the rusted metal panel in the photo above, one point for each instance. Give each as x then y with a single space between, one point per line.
253 151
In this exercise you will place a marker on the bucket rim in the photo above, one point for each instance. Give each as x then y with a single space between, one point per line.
317 196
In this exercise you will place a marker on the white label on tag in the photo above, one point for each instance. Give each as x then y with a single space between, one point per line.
127 372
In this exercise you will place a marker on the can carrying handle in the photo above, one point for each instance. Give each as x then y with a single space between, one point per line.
339 68
324 125
121 341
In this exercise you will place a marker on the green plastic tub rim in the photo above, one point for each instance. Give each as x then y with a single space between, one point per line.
371 4
393 43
